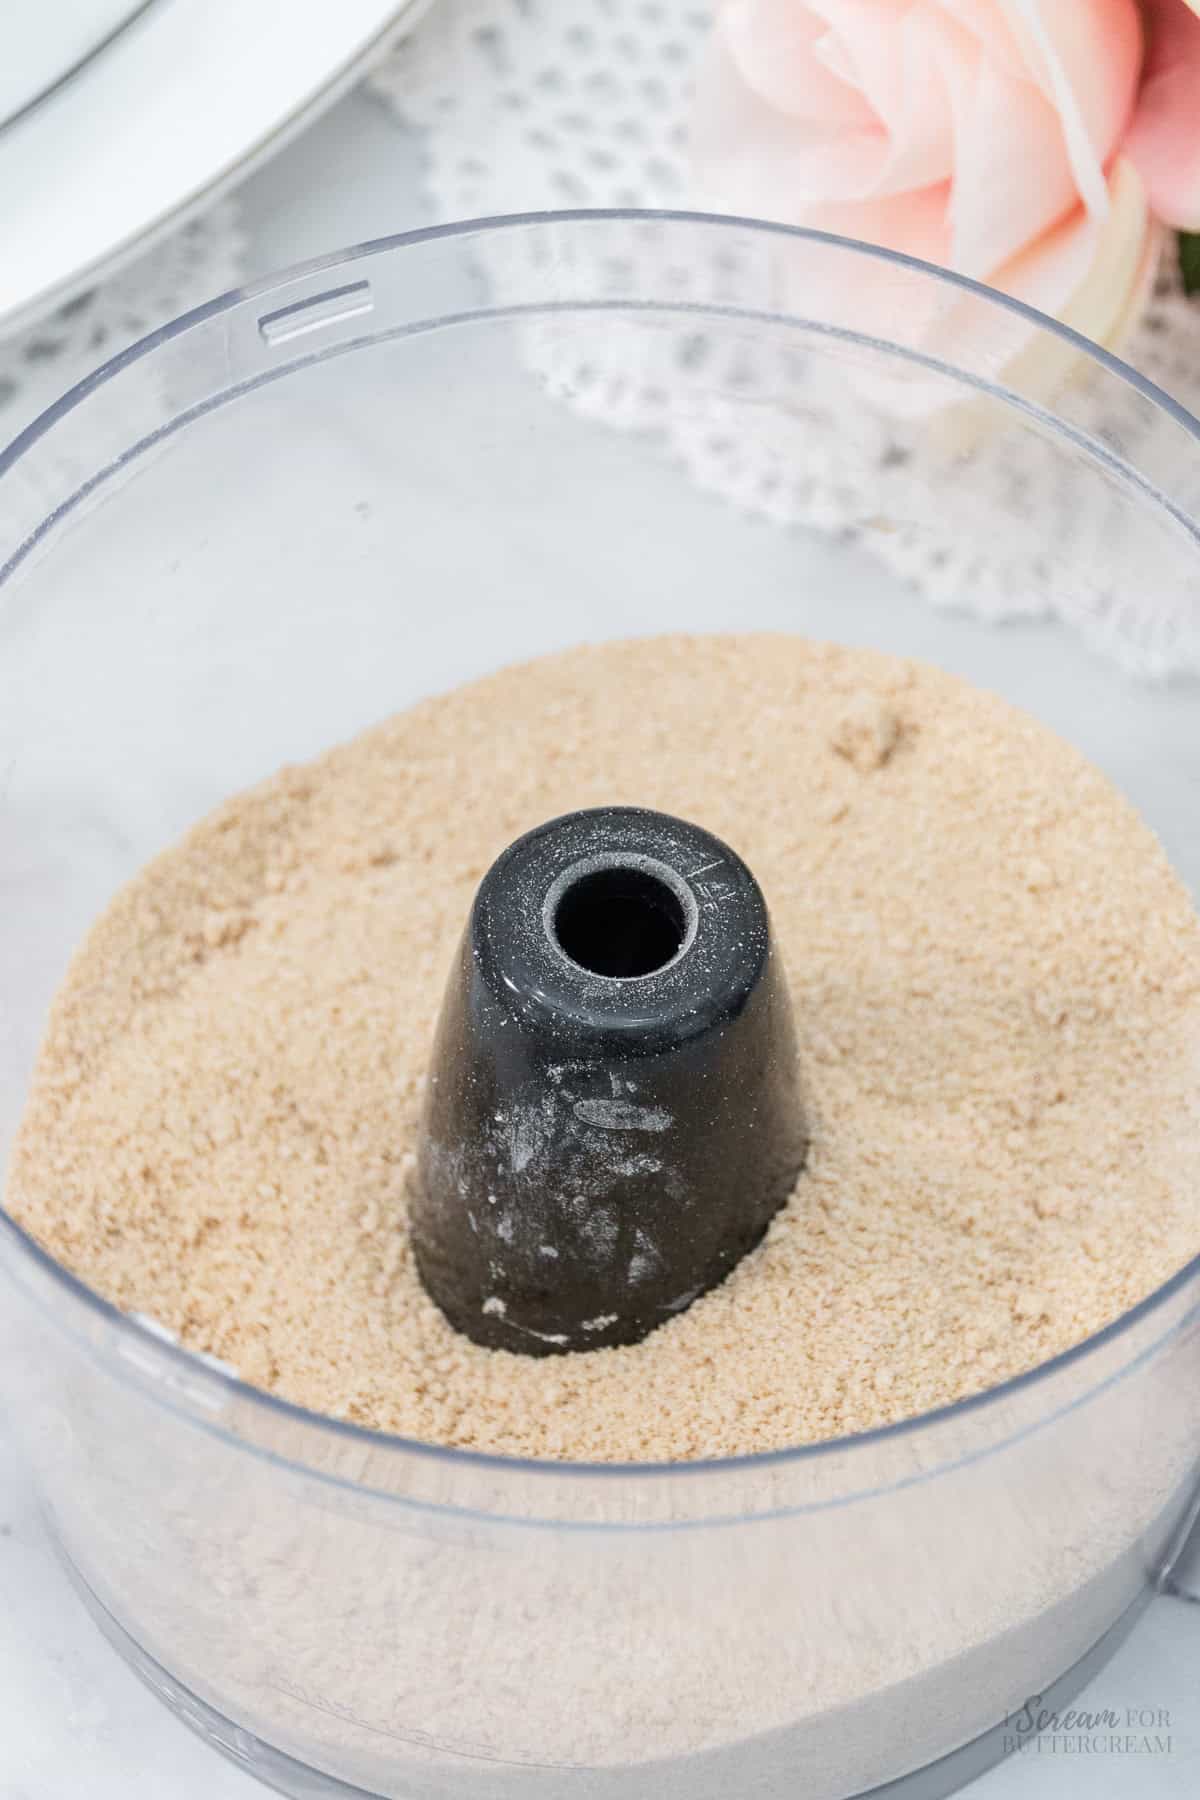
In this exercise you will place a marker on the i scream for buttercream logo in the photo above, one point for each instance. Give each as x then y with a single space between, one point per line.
1036 1729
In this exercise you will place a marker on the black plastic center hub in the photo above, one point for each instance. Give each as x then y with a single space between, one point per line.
613 1111
621 918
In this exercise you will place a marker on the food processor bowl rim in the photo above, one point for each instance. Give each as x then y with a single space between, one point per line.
199 1370
497 224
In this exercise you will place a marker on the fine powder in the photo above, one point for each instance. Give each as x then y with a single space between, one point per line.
996 982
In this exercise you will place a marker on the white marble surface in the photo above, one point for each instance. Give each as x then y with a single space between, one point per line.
74 1722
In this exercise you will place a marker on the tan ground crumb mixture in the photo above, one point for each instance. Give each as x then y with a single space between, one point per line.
997 986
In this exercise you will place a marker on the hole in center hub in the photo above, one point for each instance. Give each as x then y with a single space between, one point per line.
620 922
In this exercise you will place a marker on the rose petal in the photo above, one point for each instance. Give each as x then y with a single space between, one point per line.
1010 212
987 20
1141 289
1012 179
804 66
891 55
914 223
1047 363
1086 271
748 157
1091 273
1086 57
1164 139
773 42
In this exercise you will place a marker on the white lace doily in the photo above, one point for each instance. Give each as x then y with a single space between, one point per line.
41 362
541 104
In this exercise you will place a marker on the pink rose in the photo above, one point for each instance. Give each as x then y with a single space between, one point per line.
1028 143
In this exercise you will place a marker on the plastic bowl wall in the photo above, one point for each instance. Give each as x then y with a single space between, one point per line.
302 508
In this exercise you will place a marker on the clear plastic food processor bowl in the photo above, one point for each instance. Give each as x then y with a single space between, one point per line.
301 508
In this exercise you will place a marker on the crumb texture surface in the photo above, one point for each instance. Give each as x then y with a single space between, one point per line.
996 981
